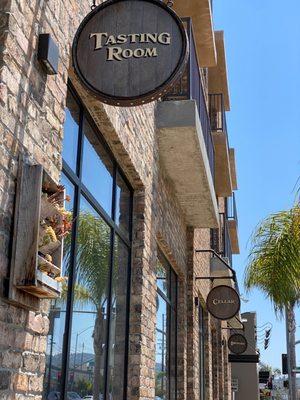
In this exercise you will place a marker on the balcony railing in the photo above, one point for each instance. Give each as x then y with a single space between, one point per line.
220 239
226 248
189 87
231 208
217 114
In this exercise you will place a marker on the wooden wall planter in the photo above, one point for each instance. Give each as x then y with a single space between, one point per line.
36 255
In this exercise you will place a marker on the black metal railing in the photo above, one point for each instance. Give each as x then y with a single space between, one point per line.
217 116
215 239
220 239
189 87
226 243
231 209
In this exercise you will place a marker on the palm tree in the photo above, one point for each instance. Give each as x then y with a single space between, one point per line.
92 275
274 268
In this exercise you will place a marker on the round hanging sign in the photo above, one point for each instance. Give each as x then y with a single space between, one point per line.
237 343
129 52
223 302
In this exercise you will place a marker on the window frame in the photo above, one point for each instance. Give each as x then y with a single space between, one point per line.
75 178
202 356
173 307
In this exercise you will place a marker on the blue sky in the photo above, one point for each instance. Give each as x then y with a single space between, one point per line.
263 59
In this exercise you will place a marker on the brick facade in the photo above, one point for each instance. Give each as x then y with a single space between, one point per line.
31 119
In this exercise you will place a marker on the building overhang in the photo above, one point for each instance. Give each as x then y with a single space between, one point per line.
201 13
219 270
235 322
233 169
183 154
223 183
217 76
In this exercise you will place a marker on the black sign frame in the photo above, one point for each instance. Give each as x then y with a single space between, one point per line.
152 95
237 336
243 358
230 316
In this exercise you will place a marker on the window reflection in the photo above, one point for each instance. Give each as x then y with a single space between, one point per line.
166 331
123 197
97 169
161 349
162 277
173 355
173 335
70 143
96 362
118 321
57 317
89 316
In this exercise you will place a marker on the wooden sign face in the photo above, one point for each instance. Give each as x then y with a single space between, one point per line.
223 302
129 52
237 343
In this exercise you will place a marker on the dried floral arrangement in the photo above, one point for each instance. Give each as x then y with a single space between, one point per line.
55 224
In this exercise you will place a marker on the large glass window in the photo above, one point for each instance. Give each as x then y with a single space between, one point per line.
71 130
97 169
88 337
57 317
166 331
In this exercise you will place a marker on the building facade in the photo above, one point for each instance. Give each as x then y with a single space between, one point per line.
149 197
246 374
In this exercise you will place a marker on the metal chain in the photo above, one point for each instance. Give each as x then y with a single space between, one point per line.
94 5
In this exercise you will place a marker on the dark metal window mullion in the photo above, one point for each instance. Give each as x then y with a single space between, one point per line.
70 297
128 297
70 174
165 298
173 314
169 319
200 317
72 267
172 309
95 204
176 332
111 267
201 351
80 189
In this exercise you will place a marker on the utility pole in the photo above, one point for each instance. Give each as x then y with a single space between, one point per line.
291 349
81 362
75 355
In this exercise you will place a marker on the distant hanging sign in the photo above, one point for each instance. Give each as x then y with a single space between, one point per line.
234 384
223 302
237 343
129 52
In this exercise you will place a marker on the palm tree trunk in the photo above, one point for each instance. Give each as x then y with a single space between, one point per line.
98 336
291 349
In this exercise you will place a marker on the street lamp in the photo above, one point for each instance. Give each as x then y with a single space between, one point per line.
76 343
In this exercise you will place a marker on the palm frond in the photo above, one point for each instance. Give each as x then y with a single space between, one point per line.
92 257
274 259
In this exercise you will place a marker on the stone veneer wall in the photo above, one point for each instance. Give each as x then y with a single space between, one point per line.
31 119
216 338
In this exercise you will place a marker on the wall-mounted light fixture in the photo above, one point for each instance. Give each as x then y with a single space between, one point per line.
48 53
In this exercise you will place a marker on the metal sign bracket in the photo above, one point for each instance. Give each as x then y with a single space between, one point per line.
212 278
